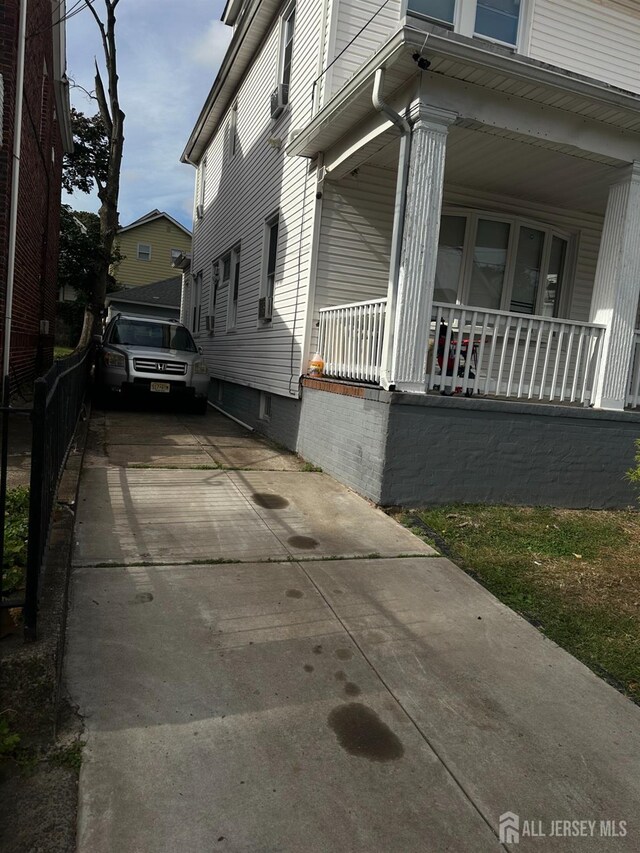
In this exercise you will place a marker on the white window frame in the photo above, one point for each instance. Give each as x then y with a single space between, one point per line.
175 254
141 247
285 17
233 131
472 217
196 303
266 402
464 23
234 258
267 289
213 292
202 185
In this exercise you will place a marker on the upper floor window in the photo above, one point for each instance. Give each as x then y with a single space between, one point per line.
497 20
286 49
231 275
144 252
175 254
265 306
497 263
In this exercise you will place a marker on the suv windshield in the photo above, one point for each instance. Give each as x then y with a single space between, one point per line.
146 333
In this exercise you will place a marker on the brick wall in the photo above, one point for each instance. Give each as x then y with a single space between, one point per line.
39 196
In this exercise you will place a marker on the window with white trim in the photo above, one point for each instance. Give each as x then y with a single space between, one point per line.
144 252
496 20
202 186
270 261
230 266
501 263
287 27
213 295
175 254
196 302
233 130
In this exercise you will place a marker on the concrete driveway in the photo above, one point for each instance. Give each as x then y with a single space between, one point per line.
265 662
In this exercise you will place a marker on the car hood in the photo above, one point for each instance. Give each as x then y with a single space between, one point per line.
159 354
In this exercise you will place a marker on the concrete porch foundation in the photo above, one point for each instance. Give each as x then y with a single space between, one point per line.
413 449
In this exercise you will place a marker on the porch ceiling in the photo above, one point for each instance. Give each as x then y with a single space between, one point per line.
497 164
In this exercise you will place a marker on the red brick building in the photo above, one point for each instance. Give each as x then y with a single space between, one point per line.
46 135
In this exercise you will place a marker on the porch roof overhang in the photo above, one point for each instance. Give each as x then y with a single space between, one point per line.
472 63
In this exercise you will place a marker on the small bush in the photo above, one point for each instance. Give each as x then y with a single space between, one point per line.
16 530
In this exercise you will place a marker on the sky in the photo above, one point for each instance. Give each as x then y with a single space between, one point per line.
168 54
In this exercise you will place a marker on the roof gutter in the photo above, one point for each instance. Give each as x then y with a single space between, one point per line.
402 181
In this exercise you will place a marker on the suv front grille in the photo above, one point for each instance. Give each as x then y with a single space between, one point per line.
151 365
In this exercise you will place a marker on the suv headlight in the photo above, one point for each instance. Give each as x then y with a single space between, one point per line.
200 366
114 359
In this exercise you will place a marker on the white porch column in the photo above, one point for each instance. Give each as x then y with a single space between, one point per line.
617 288
416 278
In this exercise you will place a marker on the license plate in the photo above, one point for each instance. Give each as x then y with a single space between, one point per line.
161 387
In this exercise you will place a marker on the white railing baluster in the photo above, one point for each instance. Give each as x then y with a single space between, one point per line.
633 397
479 351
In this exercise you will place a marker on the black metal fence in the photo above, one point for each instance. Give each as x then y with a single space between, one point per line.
57 402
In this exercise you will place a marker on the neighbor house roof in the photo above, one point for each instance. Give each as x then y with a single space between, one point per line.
165 294
150 217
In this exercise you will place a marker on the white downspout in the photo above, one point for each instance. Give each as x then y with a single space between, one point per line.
13 210
386 377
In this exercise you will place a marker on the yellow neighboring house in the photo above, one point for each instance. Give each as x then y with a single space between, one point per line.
149 246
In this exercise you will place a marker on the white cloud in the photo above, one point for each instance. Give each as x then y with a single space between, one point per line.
209 49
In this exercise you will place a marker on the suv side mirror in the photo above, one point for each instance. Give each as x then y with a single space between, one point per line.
97 339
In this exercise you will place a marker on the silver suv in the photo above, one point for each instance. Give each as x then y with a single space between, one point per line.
150 356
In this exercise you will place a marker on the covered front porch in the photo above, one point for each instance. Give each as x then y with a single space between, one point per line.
465 256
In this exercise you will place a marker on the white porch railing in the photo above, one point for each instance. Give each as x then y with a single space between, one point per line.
633 394
521 356
350 340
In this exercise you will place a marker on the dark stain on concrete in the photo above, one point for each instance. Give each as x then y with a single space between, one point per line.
340 675
304 543
344 654
361 732
308 667
317 650
352 689
269 501
295 593
142 598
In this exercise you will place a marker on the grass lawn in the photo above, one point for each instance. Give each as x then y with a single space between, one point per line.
574 573
62 352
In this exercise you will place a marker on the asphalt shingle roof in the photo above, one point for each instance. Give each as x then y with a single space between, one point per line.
166 292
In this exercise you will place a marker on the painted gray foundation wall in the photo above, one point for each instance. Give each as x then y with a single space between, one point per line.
244 403
442 450
411 450
346 437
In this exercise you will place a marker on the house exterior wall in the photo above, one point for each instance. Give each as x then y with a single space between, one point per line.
356 227
38 223
241 192
590 37
416 450
163 236
596 38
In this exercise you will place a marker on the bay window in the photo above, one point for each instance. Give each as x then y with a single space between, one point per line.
500 263
496 20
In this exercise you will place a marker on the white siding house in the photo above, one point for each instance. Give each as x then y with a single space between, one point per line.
455 190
